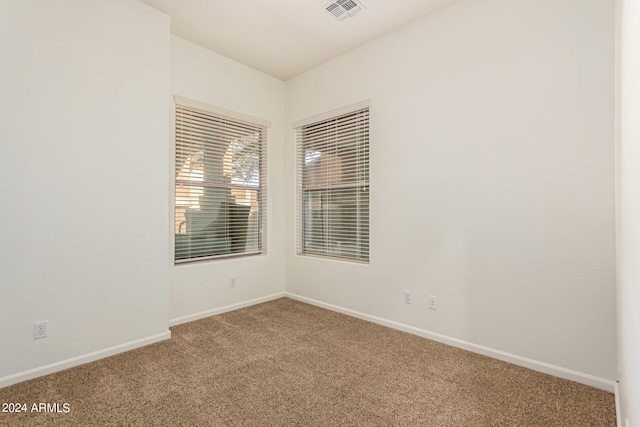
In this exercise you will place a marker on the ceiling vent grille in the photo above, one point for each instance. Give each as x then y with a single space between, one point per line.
343 9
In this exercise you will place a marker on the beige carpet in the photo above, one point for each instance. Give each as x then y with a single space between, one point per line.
286 363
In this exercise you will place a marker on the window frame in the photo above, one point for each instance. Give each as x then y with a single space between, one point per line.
231 209
351 192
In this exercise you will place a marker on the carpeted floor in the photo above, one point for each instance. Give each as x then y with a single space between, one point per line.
286 363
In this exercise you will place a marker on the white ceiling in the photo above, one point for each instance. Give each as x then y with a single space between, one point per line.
284 38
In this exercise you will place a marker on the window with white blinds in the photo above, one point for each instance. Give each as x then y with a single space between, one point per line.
333 184
220 182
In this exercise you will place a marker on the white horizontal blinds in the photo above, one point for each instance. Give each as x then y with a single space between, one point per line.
220 202
333 186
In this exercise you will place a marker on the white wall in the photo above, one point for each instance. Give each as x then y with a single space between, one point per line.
628 204
492 181
84 165
202 288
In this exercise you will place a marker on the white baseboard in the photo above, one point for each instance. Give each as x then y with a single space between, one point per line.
81 360
618 407
535 365
220 310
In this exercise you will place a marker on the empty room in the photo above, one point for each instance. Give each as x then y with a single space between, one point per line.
315 212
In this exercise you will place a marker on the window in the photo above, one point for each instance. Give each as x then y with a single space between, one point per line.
333 184
220 171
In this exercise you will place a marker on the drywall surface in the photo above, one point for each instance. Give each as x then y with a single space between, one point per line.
492 179
202 288
628 204
83 123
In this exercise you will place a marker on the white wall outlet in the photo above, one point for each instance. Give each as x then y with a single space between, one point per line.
406 297
432 303
232 282
40 330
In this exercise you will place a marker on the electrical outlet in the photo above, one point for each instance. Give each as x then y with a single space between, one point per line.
40 330
432 302
232 282
406 297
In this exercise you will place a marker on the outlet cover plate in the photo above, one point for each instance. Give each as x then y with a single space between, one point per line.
406 297
40 330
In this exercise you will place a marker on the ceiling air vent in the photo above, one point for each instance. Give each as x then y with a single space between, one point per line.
343 9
